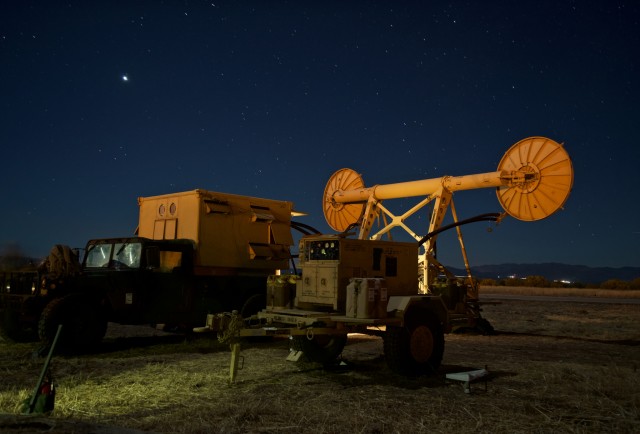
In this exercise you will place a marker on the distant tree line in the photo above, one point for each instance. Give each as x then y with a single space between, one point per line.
18 264
13 259
542 282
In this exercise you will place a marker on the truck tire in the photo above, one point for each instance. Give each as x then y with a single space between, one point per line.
320 348
416 348
11 328
84 323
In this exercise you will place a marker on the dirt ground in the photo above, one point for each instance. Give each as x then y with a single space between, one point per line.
553 367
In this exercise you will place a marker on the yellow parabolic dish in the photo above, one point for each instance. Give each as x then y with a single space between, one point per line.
342 215
549 178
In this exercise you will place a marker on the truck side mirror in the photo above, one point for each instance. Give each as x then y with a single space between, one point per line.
153 257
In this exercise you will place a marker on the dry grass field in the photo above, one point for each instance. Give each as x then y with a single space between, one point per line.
568 367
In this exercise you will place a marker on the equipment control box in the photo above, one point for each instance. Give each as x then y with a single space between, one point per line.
328 262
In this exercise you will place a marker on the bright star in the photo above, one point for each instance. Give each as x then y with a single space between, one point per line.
125 77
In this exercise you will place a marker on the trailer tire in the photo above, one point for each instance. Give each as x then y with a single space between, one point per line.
320 348
84 323
417 348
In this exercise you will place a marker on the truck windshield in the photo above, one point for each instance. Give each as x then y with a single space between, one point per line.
127 254
99 255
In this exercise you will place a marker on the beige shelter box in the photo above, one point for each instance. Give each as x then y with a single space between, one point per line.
328 263
229 231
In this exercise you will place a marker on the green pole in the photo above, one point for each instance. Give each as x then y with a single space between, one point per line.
36 391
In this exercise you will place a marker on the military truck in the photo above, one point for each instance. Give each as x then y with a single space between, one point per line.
193 253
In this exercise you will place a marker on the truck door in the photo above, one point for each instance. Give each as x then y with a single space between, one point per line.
124 279
169 297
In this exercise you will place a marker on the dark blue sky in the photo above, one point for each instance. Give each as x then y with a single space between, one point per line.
269 98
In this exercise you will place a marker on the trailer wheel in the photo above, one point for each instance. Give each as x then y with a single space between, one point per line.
84 323
416 348
320 348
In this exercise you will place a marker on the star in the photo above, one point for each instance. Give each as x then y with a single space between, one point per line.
125 77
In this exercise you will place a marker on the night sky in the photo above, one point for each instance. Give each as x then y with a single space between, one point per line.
103 102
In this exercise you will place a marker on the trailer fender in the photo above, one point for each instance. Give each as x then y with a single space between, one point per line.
400 306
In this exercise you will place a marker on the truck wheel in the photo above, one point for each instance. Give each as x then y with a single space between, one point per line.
84 323
416 348
12 330
320 348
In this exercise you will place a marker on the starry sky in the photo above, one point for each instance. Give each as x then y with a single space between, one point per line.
105 101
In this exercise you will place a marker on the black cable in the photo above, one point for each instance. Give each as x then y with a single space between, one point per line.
493 216
304 228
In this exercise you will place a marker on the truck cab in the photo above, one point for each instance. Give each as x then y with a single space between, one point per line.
141 281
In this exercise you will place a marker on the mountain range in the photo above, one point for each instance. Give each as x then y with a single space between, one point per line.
553 271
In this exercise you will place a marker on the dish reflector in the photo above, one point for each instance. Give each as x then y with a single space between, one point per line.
548 178
342 215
